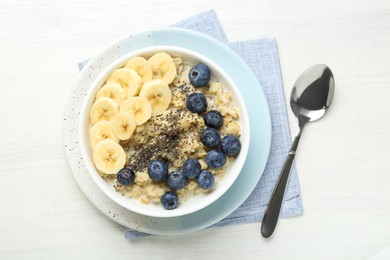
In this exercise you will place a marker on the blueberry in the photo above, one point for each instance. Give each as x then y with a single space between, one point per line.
215 159
213 119
177 180
158 170
125 176
205 180
210 137
199 75
231 145
196 103
191 168
169 200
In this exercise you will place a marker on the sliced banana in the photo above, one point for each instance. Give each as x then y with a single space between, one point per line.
142 67
100 131
109 157
130 81
163 67
158 93
104 108
123 125
113 91
139 107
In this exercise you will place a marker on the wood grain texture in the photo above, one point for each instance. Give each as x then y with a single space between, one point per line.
343 160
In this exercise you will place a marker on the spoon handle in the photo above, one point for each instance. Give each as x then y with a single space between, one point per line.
272 212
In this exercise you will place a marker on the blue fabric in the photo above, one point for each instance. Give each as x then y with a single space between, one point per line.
262 56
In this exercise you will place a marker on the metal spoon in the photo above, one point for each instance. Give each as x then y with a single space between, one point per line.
310 98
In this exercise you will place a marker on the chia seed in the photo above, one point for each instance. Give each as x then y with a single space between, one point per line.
163 146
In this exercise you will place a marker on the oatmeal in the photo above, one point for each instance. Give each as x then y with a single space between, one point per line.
177 130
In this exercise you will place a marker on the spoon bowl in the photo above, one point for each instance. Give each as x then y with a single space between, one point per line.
310 98
312 93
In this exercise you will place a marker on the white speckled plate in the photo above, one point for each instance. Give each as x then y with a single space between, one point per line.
254 98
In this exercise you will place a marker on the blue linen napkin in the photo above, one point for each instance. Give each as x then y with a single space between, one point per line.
262 56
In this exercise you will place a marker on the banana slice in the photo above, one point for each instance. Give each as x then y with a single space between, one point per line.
130 81
113 91
109 157
139 107
100 131
104 108
142 67
123 125
158 93
163 67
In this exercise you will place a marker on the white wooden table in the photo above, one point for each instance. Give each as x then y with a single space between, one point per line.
343 160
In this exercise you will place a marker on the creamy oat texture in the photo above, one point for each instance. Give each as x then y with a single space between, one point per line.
175 136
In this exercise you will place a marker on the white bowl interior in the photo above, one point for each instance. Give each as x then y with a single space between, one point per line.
198 201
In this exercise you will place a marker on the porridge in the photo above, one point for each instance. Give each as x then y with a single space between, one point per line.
163 130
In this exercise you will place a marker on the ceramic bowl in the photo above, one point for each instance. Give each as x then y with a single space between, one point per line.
195 202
